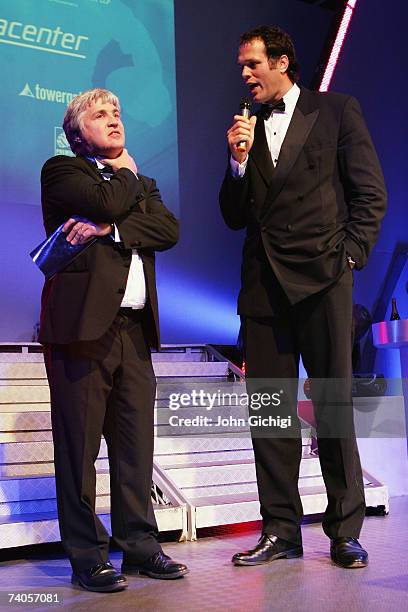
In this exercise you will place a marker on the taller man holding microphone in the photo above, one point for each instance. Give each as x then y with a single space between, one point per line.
308 188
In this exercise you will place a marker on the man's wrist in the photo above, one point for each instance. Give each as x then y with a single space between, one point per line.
238 169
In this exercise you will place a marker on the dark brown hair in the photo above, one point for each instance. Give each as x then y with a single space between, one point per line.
277 43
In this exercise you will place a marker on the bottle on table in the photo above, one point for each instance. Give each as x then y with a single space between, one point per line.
394 311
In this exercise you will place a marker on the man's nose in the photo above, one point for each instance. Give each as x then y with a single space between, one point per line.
113 120
246 73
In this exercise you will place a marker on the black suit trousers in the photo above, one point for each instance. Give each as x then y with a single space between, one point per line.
319 329
104 387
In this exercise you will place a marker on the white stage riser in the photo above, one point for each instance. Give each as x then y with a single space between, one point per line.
30 420
13 374
175 447
375 496
195 458
315 503
220 490
35 530
39 469
210 480
43 468
245 488
38 392
30 495
41 487
10 362
31 529
25 436
208 459
27 421
39 506
222 474
33 452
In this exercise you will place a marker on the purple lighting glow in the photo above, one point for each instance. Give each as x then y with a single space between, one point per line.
337 45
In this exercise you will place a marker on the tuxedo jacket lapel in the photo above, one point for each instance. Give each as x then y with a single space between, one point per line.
299 129
91 165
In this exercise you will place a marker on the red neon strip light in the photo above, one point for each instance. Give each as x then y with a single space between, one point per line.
337 45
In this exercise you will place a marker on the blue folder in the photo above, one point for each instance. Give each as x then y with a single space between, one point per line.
56 253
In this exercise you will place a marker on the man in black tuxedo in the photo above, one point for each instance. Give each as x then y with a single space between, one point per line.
99 316
308 188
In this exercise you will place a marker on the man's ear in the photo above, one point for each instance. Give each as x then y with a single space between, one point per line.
283 64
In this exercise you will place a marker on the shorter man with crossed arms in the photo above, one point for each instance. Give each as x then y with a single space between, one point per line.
98 318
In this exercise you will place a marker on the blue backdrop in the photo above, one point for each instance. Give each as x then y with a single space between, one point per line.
51 50
174 68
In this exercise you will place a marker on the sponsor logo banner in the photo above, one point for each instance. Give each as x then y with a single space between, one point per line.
41 38
61 145
46 94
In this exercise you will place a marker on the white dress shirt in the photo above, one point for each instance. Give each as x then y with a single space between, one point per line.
135 294
275 130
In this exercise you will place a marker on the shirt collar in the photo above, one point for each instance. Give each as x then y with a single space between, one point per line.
96 161
291 97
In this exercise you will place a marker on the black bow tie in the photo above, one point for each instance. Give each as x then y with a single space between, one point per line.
267 109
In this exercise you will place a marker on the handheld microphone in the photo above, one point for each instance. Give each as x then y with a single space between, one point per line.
245 111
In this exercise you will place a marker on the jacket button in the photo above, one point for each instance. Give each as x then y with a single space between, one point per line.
289 227
264 228
251 201
121 291
300 198
312 166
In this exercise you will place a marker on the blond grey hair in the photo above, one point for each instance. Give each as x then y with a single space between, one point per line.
72 123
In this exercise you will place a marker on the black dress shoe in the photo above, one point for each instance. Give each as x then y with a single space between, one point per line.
157 566
268 549
102 578
348 552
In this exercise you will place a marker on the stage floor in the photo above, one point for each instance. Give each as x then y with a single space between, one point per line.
215 584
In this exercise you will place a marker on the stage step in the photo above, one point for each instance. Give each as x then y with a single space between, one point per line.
231 470
40 527
205 478
15 368
192 446
242 507
195 493
42 487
